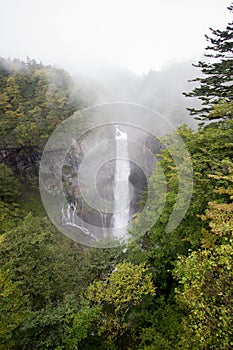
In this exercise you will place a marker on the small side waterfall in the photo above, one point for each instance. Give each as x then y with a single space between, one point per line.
120 218
70 218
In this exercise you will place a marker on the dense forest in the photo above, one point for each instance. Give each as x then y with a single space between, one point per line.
164 291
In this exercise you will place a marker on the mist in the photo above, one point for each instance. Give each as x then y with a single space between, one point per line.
117 50
160 90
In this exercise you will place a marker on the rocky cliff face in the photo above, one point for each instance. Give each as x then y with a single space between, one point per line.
98 149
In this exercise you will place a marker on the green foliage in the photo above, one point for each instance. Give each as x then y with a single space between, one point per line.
33 101
9 185
46 269
206 277
58 327
12 309
126 287
161 326
224 110
43 329
33 253
78 326
101 261
10 212
10 216
162 249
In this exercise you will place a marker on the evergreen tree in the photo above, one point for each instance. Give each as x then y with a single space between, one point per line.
216 82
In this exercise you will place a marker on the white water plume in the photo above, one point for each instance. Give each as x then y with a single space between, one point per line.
120 219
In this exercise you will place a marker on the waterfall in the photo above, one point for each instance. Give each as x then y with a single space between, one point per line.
120 218
69 218
74 211
103 215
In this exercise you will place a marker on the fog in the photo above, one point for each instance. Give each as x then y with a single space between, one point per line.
160 90
131 51
89 36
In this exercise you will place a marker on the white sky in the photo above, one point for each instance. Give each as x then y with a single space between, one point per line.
88 34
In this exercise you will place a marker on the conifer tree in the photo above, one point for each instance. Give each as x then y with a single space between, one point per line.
215 85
